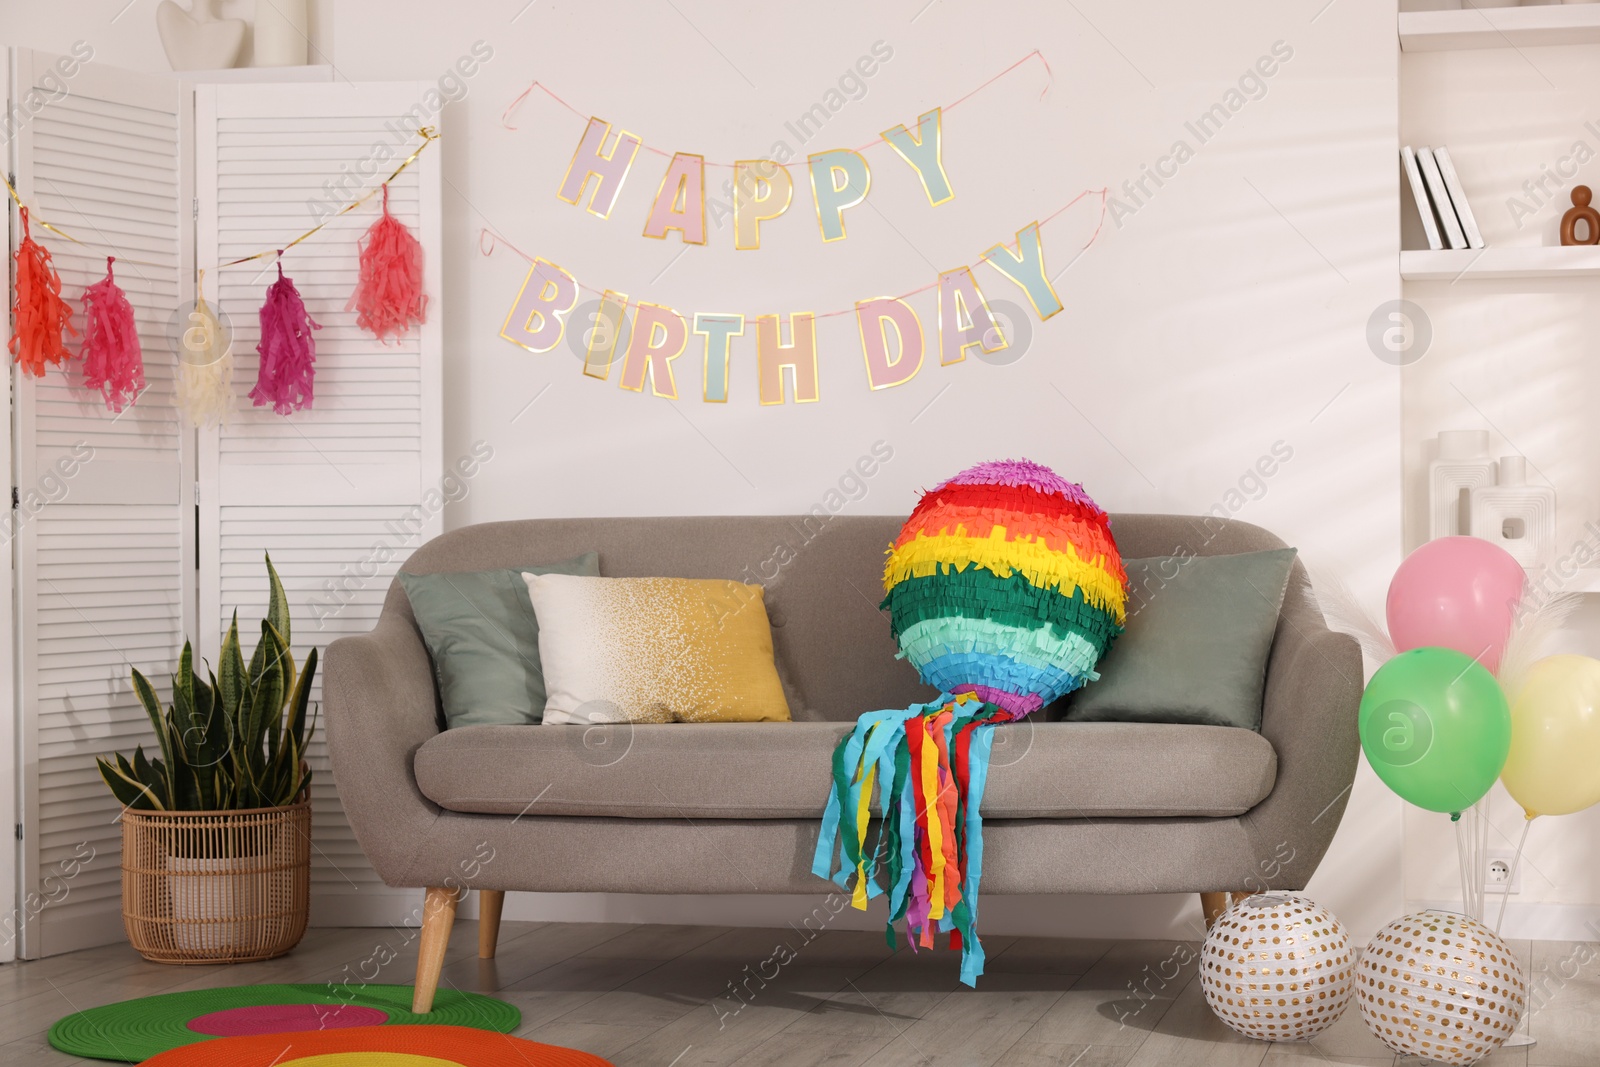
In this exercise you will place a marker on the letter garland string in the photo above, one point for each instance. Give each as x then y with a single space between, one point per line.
537 322
930 763
505 117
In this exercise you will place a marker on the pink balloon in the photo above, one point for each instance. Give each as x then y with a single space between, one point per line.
1456 592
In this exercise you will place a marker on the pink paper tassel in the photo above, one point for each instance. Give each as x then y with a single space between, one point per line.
288 351
112 360
389 296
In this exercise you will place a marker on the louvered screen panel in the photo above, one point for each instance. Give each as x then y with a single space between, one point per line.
322 488
105 564
312 547
104 597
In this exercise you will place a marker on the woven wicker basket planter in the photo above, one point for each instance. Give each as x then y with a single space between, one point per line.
216 887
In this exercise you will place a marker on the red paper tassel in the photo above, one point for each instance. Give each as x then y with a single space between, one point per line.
112 360
389 296
41 315
288 351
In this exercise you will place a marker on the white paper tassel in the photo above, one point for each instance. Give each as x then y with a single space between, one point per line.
205 368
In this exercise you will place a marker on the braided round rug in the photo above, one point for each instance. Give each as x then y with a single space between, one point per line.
135 1030
377 1046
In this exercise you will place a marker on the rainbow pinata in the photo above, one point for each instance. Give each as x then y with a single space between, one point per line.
1006 583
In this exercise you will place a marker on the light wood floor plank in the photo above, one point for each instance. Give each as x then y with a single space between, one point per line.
800 996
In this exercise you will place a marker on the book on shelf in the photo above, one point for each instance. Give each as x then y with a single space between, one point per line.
1419 195
1458 198
1454 236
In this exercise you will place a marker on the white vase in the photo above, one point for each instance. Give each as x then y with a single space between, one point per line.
196 39
1463 465
214 901
281 33
1519 517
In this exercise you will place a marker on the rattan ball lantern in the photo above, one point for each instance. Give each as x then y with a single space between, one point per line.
1277 967
1440 986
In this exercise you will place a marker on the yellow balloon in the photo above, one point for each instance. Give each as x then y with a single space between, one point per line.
1554 764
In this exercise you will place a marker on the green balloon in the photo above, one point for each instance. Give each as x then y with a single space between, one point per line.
1436 727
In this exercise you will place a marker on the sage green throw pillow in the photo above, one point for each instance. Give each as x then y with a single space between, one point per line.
1195 649
484 639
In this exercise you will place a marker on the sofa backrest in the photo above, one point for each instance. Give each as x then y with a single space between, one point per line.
823 578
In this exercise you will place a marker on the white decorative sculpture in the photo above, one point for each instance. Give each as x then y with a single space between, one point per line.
1519 517
196 39
280 33
1463 465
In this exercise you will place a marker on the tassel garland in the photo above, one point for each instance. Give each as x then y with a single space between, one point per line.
205 366
389 296
288 350
41 315
112 360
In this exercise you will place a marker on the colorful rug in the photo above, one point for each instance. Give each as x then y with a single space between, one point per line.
135 1030
377 1046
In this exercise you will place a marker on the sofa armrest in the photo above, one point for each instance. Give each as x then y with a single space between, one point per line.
379 703
1313 692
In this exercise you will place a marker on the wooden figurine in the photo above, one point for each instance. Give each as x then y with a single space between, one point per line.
1580 212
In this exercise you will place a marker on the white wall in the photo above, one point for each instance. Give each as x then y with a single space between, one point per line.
1517 359
1225 315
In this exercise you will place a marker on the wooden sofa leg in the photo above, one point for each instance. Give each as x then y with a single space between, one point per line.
1212 905
438 916
490 901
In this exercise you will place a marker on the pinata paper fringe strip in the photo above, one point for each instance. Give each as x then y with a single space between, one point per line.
978 594
929 764
1091 540
1042 565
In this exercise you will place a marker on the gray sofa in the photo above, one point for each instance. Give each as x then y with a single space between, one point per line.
734 808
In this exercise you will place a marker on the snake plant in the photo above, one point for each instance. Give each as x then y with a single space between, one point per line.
235 742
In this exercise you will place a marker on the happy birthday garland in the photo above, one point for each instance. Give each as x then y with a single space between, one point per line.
763 190
388 301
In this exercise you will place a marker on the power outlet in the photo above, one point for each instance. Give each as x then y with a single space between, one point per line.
1501 874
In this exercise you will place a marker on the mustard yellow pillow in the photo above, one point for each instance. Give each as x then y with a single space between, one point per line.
655 650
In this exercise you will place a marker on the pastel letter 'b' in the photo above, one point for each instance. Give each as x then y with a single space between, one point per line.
535 321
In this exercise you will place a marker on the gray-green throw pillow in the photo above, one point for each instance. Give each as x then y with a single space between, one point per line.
1195 649
484 639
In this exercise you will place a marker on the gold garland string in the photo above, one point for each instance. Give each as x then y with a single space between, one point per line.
428 135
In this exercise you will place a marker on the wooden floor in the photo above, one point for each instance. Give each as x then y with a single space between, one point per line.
662 996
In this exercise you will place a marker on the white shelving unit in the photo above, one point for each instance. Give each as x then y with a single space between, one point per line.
1475 29
1499 27
1514 262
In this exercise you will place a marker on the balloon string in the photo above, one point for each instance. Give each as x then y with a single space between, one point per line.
1516 862
1483 855
1461 864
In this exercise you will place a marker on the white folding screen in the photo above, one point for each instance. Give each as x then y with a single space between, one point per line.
133 531
334 492
103 528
